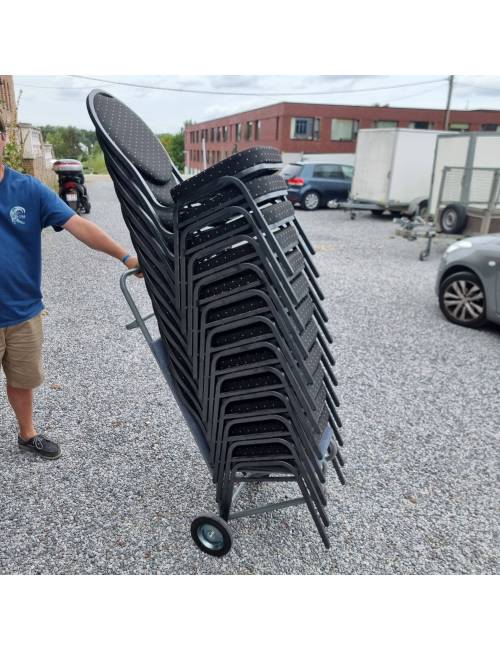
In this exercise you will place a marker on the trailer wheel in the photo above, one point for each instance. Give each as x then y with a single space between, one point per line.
377 213
422 208
453 218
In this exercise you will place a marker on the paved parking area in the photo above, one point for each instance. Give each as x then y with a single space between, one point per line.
420 405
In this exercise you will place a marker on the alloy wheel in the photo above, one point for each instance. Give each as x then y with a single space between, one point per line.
464 301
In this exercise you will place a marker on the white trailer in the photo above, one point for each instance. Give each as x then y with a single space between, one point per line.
393 170
465 188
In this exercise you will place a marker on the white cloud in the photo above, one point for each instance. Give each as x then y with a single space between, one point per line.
63 99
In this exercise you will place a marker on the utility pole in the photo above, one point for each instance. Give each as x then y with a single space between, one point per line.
448 102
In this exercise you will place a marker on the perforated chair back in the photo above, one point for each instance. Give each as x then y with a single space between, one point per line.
124 134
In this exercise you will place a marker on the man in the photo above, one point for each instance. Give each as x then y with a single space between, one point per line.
26 207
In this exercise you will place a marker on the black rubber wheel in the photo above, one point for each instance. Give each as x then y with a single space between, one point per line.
211 534
310 201
422 208
88 208
462 299
377 213
453 218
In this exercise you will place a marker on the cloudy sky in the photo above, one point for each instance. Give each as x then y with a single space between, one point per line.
61 99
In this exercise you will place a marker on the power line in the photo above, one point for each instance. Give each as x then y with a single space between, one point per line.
462 83
214 92
259 94
25 85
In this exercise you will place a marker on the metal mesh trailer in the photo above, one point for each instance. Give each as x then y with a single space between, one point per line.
465 189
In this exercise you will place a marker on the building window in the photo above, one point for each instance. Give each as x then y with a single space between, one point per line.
212 135
224 133
249 131
304 128
490 127
344 130
420 125
218 156
218 133
257 129
459 126
386 124
238 132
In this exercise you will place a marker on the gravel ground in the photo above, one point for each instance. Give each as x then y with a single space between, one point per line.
420 404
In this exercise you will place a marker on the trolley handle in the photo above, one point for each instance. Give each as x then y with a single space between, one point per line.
140 321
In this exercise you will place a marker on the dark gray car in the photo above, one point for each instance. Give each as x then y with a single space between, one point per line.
468 281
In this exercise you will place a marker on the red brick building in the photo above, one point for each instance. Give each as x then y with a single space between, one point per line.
295 128
7 100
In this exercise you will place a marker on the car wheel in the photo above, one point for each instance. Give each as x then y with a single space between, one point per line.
453 219
310 201
462 299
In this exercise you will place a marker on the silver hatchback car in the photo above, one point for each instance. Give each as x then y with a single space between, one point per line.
468 281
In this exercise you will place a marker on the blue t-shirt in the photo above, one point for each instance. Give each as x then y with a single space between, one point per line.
26 207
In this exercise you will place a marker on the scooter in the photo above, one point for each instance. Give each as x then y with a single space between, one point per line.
72 188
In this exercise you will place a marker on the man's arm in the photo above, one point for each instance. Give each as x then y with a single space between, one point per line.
94 237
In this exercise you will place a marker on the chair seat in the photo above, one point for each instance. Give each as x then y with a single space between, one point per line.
231 166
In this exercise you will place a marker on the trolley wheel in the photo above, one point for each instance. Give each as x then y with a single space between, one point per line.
211 534
423 256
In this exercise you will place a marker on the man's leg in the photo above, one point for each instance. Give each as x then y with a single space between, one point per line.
22 363
21 400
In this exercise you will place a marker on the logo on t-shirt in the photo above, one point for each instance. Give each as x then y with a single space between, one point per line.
18 215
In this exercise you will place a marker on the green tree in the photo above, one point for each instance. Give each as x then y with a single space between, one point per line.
174 144
68 140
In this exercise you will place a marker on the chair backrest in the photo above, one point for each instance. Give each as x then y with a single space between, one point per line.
122 132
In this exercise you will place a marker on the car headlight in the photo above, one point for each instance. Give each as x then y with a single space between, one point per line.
463 243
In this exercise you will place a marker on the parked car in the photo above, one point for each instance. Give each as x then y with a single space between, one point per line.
313 185
468 281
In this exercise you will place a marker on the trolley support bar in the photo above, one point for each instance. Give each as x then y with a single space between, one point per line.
268 508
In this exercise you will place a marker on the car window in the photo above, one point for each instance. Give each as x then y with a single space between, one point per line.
348 170
291 170
328 171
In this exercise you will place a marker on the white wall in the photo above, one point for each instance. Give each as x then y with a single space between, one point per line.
336 158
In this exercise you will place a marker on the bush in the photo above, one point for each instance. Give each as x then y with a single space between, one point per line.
12 155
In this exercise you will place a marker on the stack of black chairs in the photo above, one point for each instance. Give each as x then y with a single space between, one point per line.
234 289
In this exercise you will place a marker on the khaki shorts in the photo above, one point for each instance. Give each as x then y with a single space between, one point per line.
21 353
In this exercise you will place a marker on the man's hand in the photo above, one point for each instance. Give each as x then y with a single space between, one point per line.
90 234
133 263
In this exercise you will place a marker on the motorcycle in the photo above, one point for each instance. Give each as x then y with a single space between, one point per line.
72 189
